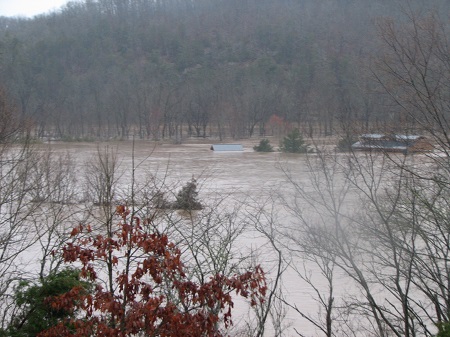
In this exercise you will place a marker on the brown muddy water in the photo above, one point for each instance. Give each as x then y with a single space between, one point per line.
245 175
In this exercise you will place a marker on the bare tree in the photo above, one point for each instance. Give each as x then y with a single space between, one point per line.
56 192
20 210
265 226
390 237
414 70
320 210
393 249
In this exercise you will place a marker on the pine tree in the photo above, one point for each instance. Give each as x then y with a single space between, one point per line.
293 143
264 146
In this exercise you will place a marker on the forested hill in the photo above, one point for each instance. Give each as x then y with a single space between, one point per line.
177 68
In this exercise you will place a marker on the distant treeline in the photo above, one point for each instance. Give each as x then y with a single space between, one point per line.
221 68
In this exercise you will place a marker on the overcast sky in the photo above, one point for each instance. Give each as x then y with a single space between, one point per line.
28 8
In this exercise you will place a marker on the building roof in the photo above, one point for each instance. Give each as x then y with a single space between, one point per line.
407 137
396 146
227 147
373 136
389 142
380 136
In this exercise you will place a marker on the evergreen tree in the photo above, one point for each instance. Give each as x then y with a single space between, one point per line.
264 146
293 143
37 314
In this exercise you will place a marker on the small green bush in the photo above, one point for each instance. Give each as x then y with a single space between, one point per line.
294 143
264 146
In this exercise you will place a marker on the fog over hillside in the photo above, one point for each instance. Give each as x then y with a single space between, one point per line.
172 69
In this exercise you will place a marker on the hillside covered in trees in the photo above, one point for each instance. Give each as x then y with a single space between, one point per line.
171 69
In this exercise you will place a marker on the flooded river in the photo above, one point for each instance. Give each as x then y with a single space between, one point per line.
245 175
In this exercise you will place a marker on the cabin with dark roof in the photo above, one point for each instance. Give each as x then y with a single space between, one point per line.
392 143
